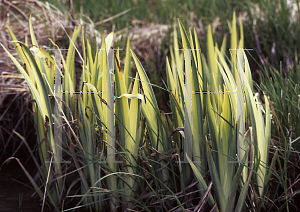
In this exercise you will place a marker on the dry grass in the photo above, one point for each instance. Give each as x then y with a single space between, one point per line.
44 18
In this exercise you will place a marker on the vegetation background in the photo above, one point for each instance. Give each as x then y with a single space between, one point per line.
271 29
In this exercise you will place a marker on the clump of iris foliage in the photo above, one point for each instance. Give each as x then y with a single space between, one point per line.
226 127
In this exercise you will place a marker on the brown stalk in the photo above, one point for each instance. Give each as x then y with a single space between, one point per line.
276 118
72 13
205 196
16 9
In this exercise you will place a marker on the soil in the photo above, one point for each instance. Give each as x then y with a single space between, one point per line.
11 191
